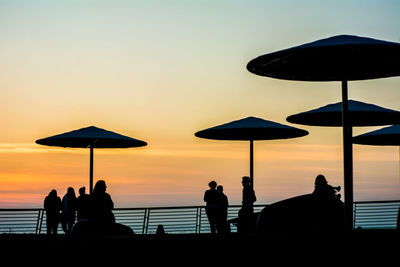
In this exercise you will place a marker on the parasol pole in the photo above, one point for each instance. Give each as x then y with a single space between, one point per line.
252 164
347 159
91 171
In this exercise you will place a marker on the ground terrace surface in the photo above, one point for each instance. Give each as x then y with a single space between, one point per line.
357 247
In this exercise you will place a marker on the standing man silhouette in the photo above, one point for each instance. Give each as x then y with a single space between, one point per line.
68 214
246 213
83 202
52 206
211 199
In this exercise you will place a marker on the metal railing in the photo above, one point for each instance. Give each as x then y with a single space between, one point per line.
376 214
188 219
21 220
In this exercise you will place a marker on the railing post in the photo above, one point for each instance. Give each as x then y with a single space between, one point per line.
200 210
198 220
146 220
37 223
40 221
354 214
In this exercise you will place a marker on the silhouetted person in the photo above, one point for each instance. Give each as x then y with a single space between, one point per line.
101 207
82 204
222 223
160 230
246 213
68 214
248 195
327 214
52 206
211 198
322 189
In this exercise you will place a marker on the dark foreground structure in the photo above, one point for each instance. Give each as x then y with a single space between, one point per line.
305 213
204 249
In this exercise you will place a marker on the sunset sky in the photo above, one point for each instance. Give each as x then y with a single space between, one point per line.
160 70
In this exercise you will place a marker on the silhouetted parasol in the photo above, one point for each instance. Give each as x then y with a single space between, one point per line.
251 129
91 137
338 58
360 114
388 136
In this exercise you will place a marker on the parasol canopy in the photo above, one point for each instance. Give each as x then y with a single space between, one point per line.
360 114
388 136
337 58
91 137
251 129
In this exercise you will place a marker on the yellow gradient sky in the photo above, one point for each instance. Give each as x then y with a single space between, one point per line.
159 71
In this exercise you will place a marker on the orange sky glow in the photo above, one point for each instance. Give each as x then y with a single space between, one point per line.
179 174
159 71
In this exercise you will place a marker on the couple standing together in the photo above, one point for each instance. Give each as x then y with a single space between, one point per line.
217 208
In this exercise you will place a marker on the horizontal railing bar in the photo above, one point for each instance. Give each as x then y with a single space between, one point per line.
131 213
173 226
172 214
129 216
171 221
360 216
393 220
18 220
376 206
130 219
20 227
177 230
375 220
172 217
376 212
164 216
21 209
377 201
2 215
378 227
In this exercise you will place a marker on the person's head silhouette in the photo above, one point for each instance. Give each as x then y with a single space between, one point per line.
320 181
212 184
82 191
53 193
70 191
100 187
246 181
